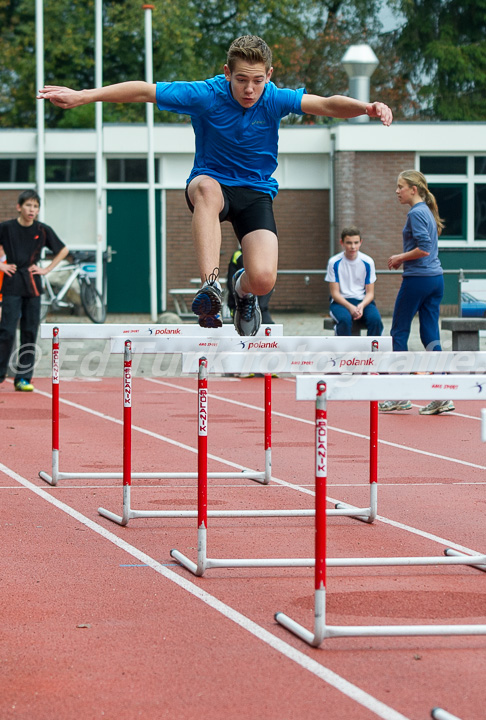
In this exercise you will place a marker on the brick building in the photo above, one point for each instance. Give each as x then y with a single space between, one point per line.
328 176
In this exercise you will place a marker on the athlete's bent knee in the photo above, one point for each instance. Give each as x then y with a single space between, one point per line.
207 191
262 282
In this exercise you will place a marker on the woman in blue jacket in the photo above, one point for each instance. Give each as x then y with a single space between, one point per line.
422 286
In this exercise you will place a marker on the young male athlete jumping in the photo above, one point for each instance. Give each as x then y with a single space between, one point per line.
235 117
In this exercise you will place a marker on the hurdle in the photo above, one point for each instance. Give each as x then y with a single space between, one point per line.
369 387
129 513
232 355
81 331
438 713
237 363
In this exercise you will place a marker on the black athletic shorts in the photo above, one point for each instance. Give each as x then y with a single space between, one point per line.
246 209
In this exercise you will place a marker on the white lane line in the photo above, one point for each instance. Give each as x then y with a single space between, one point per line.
150 433
311 422
299 488
254 487
323 673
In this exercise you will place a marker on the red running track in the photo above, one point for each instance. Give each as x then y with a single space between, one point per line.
99 622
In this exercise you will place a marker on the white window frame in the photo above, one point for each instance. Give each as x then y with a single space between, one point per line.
469 179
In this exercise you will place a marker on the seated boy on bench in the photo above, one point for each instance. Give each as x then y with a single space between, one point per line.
351 276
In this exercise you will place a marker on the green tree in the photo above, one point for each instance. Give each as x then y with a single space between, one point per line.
190 41
442 55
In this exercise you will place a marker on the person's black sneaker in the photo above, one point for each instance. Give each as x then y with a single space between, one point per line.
207 303
247 317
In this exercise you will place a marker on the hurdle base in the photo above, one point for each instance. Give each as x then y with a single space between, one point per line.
438 713
330 562
113 517
204 563
188 564
454 553
363 514
297 629
56 475
332 631
48 478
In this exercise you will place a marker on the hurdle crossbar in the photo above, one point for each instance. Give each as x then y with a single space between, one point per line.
368 388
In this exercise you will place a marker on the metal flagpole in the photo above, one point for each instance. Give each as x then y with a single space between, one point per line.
39 58
151 164
100 205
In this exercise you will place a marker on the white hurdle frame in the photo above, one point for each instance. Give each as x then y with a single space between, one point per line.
82 331
204 562
128 513
367 514
438 387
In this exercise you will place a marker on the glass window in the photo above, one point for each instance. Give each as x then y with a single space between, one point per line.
480 212
451 200
17 170
444 165
480 165
127 170
70 170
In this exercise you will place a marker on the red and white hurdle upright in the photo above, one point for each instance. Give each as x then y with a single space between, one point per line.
437 387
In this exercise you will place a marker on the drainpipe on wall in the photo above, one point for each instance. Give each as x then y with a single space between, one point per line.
332 228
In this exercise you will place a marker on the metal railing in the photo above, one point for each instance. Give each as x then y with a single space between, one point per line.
460 272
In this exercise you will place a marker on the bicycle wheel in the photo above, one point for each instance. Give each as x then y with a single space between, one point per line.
92 301
45 306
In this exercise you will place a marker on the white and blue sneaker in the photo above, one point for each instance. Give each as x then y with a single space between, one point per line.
391 405
247 317
437 407
207 303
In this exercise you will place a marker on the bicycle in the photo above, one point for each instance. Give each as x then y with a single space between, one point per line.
83 270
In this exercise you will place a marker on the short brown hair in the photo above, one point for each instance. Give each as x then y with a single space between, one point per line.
250 48
350 231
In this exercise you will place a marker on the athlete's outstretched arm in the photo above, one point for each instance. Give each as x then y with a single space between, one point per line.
341 106
127 92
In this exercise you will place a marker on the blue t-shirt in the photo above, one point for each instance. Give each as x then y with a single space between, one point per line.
421 231
234 145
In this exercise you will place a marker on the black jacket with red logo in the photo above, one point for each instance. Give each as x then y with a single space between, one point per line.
23 247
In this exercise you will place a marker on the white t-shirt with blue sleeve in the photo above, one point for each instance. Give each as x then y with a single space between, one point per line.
352 275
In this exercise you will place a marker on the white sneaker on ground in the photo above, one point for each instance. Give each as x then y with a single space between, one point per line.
436 407
390 405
